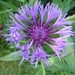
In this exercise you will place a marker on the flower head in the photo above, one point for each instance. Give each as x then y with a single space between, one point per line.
37 25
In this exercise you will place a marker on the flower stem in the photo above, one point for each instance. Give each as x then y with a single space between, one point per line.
43 68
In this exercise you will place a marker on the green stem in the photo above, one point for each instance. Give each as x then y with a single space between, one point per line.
43 68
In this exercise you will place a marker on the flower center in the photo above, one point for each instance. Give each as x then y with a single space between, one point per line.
39 34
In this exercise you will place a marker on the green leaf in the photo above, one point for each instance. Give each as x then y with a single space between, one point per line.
65 1
70 58
31 2
66 6
72 4
71 18
57 65
42 69
59 2
48 49
21 0
39 72
12 56
9 5
3 12
70 47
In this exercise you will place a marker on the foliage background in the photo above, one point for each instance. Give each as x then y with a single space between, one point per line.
64 67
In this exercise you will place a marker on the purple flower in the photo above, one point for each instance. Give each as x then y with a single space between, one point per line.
38 25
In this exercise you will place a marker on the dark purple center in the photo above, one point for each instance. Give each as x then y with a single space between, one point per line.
38 34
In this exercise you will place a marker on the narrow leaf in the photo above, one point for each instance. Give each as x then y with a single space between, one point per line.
58 65
59 2
71 18
12 56
8 10
31 2
66 6
20 0
9 5
39 72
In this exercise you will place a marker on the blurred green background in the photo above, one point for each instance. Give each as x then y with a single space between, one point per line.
12 67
